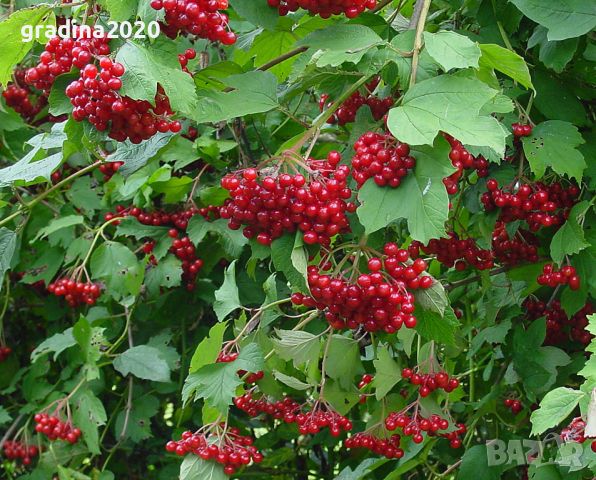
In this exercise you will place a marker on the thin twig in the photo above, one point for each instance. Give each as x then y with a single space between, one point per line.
11 429
418 40
282 58
466 281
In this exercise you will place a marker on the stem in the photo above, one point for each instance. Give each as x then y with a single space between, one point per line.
11 429
282 58
425 6
466 281
43 195
324 364
122 337
382 5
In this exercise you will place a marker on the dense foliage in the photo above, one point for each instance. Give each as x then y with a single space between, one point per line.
298 239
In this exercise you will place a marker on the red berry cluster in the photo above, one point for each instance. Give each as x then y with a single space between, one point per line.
184 249
455 252
5 352
575 431
429 382
95 97
159 218
54 428
349 8
346 113
15 450
75 293
462 160
232 450
202 18
413 426
523 247
269 205
285 409
381 157
520 130
18 98
513 404
388 448
377 301
230 357
62 54
540 205
183 58
455 436
109 169
559 327
552 277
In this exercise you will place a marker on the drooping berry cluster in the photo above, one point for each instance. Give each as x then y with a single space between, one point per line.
513 404
388 448
455 252
414 425
184 249
5 352
52 427
75 293
322 417
380 300
454 437
523 247
95 97
381 157
285 409
462 160
202 18
230 357
15 450
520 130
552 277
429 382
540 205
349 8
559 327
232 450
109 169
19 96
346 113
575 431
267 205
62 54
183 58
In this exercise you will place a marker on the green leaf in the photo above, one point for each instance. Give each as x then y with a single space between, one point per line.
217 383
432 326
256 12
131 227
8 243
227 296
89 340
58 224
506 62
290 381
119 268
448 103
232 241
555 55
299 346
137 156
14 45
209 348
58 101
89 414
475 465
4 416
167 273
421 198
158 64
387 373
341 43
343 360
268 46
554 408
57 343
570 239
492 334
251 92
564 19
433 298
194 467
121 10
452 50
138 427
143 362
30 169
554 144
294 265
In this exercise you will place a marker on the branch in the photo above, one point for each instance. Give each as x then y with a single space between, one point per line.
381 5
424 6
466 281
11 429
282 58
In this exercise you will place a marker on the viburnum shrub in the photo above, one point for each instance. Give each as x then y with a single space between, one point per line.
297 239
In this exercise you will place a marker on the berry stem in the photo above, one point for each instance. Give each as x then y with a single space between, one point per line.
425 6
